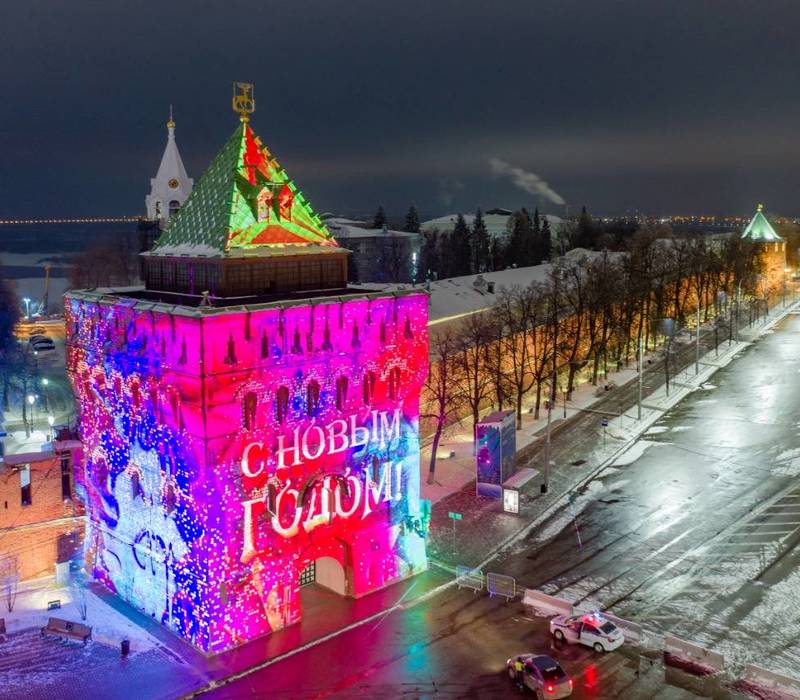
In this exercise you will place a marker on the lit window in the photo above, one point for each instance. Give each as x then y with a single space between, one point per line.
249 406
369 387
282 403
312 397
341 392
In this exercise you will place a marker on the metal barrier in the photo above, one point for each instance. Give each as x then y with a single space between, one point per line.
498 584
694 653
546 603
469 578
770 680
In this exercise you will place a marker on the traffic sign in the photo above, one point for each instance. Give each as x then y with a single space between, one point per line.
604 421
454 516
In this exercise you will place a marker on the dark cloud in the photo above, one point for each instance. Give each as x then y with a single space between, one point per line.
660 106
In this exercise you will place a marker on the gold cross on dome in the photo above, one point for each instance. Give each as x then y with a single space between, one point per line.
244 100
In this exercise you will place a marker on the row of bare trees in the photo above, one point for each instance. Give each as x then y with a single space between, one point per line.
589 312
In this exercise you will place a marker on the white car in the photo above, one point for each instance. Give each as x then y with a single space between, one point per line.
592 630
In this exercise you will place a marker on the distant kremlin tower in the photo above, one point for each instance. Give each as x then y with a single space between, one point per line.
772 250
250 424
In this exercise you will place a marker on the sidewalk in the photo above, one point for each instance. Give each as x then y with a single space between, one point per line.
484 529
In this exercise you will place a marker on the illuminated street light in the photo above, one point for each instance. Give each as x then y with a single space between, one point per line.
31 399
27 306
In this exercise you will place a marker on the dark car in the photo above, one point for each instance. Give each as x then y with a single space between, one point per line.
543 675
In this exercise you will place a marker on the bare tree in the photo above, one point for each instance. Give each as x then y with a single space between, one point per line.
518 311
77 587
475 337
105 265
444 400
569 297
9 580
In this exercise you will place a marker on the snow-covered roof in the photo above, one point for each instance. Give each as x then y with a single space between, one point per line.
456 297
342 229
496 224
759 229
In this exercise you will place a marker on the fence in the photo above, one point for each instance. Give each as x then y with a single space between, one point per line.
469 578
500 585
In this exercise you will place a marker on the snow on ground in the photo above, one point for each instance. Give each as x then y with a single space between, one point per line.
16 442
634 452
108 626
656 430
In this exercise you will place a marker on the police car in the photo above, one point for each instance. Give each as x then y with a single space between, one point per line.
592 630
542 674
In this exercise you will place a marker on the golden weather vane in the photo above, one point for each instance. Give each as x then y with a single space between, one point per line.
244 100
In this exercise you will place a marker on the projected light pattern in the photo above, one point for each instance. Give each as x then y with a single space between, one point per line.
227 451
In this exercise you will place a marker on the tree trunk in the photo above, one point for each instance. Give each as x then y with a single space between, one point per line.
519 410
434 449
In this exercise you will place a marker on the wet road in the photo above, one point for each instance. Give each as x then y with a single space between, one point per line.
453 646
694 529
641 524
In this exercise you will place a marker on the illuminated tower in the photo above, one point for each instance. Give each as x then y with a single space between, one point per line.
772 250
171 186
249 422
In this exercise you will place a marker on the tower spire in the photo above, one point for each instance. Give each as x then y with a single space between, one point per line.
244 100
171 186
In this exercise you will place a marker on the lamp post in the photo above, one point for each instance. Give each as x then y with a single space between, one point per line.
666 327
786 271
31 401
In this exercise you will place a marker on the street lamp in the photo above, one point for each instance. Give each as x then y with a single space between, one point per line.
31 400
786 271
666 327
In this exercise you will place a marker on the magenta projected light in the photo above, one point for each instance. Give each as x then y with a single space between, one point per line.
227 453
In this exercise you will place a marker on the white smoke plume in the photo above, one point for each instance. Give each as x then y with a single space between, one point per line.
528 182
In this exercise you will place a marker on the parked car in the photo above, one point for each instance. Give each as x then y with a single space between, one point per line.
592 630
43 345
543 675
35 330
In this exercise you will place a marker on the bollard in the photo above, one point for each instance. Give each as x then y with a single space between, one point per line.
125 648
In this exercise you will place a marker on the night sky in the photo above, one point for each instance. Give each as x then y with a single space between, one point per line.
640 105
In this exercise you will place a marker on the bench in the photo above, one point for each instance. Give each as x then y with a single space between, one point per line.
64 628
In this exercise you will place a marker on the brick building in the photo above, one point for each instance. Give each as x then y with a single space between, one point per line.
41 521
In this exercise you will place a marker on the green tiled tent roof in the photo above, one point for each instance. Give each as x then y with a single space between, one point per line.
759 229
245 203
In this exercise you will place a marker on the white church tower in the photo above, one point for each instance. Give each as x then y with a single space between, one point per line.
171 186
